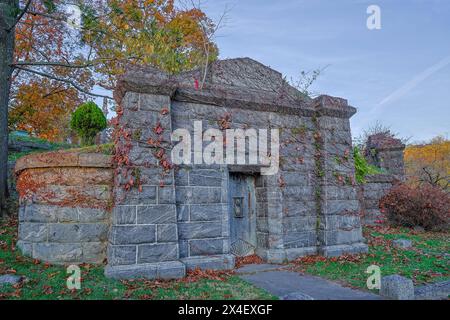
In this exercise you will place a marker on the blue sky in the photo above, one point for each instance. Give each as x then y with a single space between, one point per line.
399 75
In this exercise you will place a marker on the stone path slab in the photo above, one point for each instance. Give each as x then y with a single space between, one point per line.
289 285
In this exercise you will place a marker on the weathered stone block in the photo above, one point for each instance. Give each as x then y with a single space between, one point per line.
183 212
124 215
25 247
341 193
300 239
50 213
133 234
131 101
121 255
33 232
298 193
41 213
294 253
91 215
157 252
261 209
156 214
207 212
10 279
220 262
397 287
136 271
341 222
93 252
150 102
181 176
58 252
337 250
336 207
93 194
211 178
166 195
134 197
198 195
206 247
166 233
198 230
272 255
298 208
155 176
71 232
402 243
336 237
262 224
171 270
183 247
96 160
261 195
297 178
262 240
299 223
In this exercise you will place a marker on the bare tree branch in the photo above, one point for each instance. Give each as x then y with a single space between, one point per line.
53 64
20 16
70 82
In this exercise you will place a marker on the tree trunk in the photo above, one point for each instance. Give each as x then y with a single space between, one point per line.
6 58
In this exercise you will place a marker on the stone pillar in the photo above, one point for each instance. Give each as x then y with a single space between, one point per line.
274 251
386 152
338 221
143 239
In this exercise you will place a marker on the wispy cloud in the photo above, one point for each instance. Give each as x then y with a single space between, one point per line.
414 82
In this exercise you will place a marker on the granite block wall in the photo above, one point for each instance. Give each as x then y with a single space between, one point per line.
65 200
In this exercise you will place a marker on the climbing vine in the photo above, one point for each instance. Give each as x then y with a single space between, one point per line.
362 168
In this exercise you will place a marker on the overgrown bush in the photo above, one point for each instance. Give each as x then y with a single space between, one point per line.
87 121
410 206
362 168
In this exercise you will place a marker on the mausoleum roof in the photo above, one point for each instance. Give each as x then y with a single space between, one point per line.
238 83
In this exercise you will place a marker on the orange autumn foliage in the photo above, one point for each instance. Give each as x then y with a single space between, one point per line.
43 108
155 33
431 159
39 105
114 34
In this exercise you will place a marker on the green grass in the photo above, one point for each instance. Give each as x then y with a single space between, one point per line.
426 262
47 146
46 282
52 146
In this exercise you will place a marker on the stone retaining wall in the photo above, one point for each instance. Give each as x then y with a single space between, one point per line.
370 193
65 199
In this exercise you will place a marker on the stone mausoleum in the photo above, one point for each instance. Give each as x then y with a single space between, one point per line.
157 220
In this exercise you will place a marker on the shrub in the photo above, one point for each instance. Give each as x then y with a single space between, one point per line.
425 206
362 168
87 121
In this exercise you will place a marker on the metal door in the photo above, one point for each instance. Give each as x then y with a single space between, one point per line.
242 207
